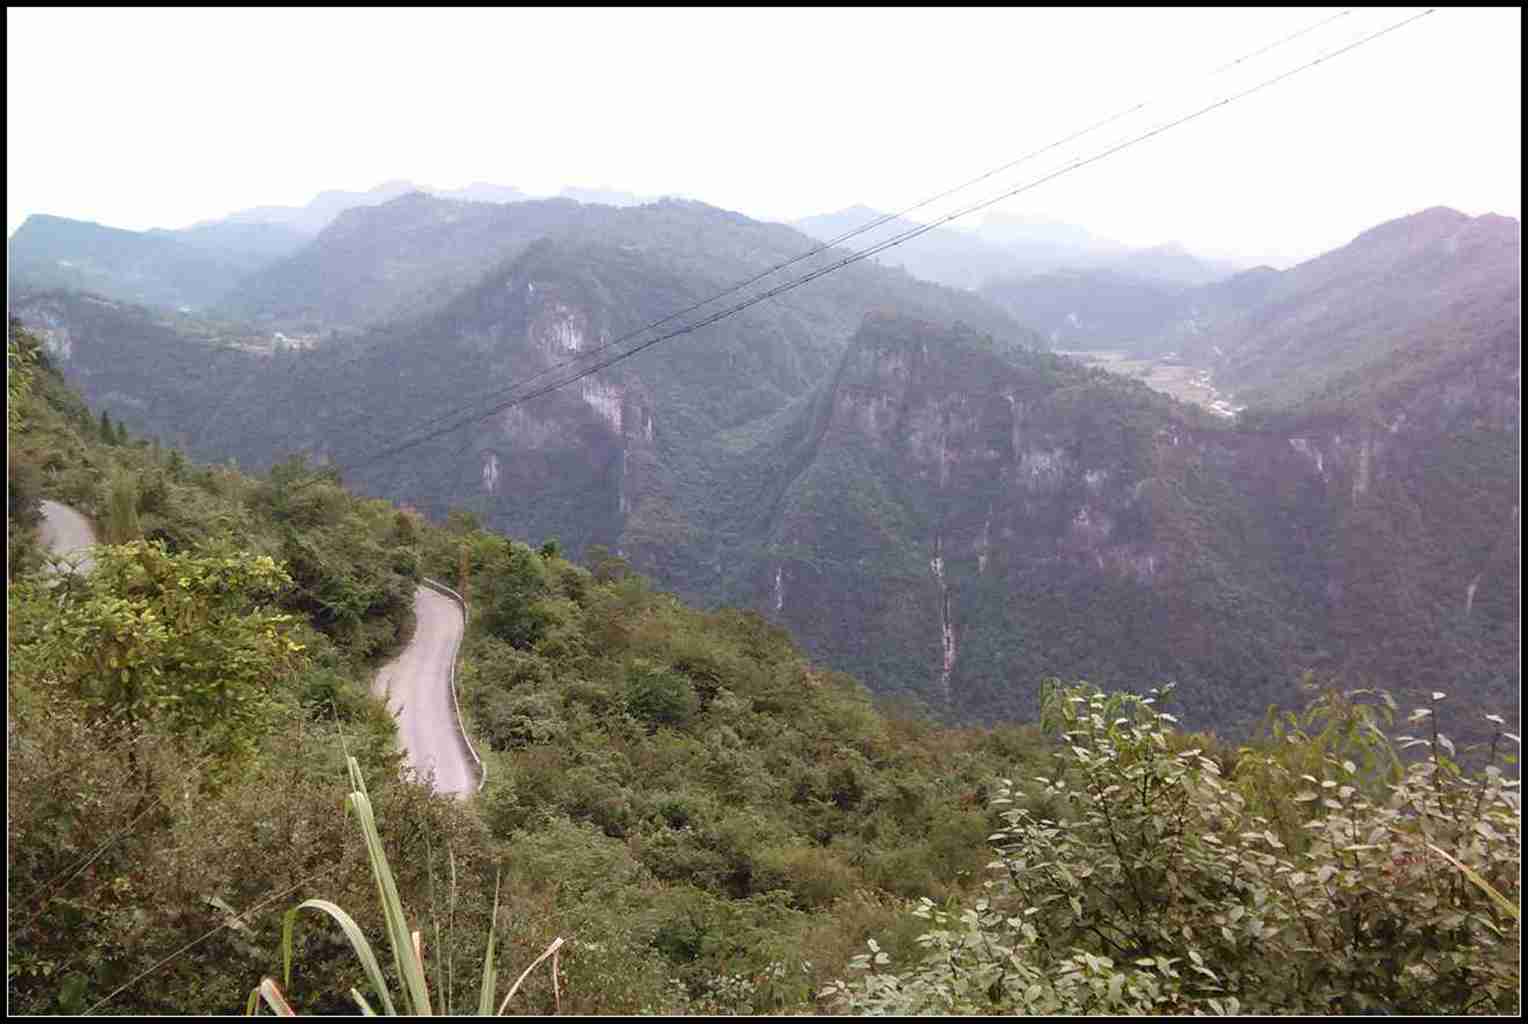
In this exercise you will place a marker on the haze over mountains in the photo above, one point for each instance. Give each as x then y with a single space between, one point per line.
886 460
1004 245
326 206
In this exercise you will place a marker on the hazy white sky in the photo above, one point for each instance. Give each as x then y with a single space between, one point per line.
159 118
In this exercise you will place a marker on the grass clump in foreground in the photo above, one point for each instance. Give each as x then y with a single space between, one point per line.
407 949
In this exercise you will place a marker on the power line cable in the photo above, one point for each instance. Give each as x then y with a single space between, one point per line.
878 222
239 918
879 247
824 246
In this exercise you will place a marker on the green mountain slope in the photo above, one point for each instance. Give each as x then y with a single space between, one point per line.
638 457
1411 291
1089 309
191 269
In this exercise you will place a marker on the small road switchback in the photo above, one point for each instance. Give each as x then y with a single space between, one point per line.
418 685
66 533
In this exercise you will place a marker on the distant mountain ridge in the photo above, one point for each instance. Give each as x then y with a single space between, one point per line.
321 211
192 268
325 207
941 254
1007 247
1415 289
1400 298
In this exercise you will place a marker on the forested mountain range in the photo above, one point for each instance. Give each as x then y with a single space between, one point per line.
893 468
1400 299
1089 308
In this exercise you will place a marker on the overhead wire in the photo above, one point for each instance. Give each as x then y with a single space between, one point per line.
855 257
880 221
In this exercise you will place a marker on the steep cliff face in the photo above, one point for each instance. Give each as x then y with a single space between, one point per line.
579 462
1423 484
968 523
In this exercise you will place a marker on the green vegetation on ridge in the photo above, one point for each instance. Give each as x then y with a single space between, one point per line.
712 823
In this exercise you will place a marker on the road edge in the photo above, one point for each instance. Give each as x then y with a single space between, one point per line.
461 726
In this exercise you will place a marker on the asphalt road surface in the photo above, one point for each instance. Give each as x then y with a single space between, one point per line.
417 685
65 532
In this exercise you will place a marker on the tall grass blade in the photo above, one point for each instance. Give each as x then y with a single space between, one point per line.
360 1001
419 959
357 941
451 932
556 986
440 976
1503 904
410 970
554 947
268 991
490 976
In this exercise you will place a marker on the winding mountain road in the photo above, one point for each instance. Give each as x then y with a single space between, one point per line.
417 685
65 532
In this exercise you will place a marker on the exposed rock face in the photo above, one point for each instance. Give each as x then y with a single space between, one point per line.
1074 525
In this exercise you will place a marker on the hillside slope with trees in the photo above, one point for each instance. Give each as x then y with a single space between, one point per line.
709 821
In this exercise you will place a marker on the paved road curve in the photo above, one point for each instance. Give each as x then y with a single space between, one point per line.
417 685
65 532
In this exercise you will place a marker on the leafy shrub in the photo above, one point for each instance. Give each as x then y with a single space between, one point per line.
658 697
815 877
509 721
1160 890
187 641
517 580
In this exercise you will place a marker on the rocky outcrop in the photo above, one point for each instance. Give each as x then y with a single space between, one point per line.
966 522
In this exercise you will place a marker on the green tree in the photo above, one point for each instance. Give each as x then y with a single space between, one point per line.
516 585
188 643
658 696
20 359
122 509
